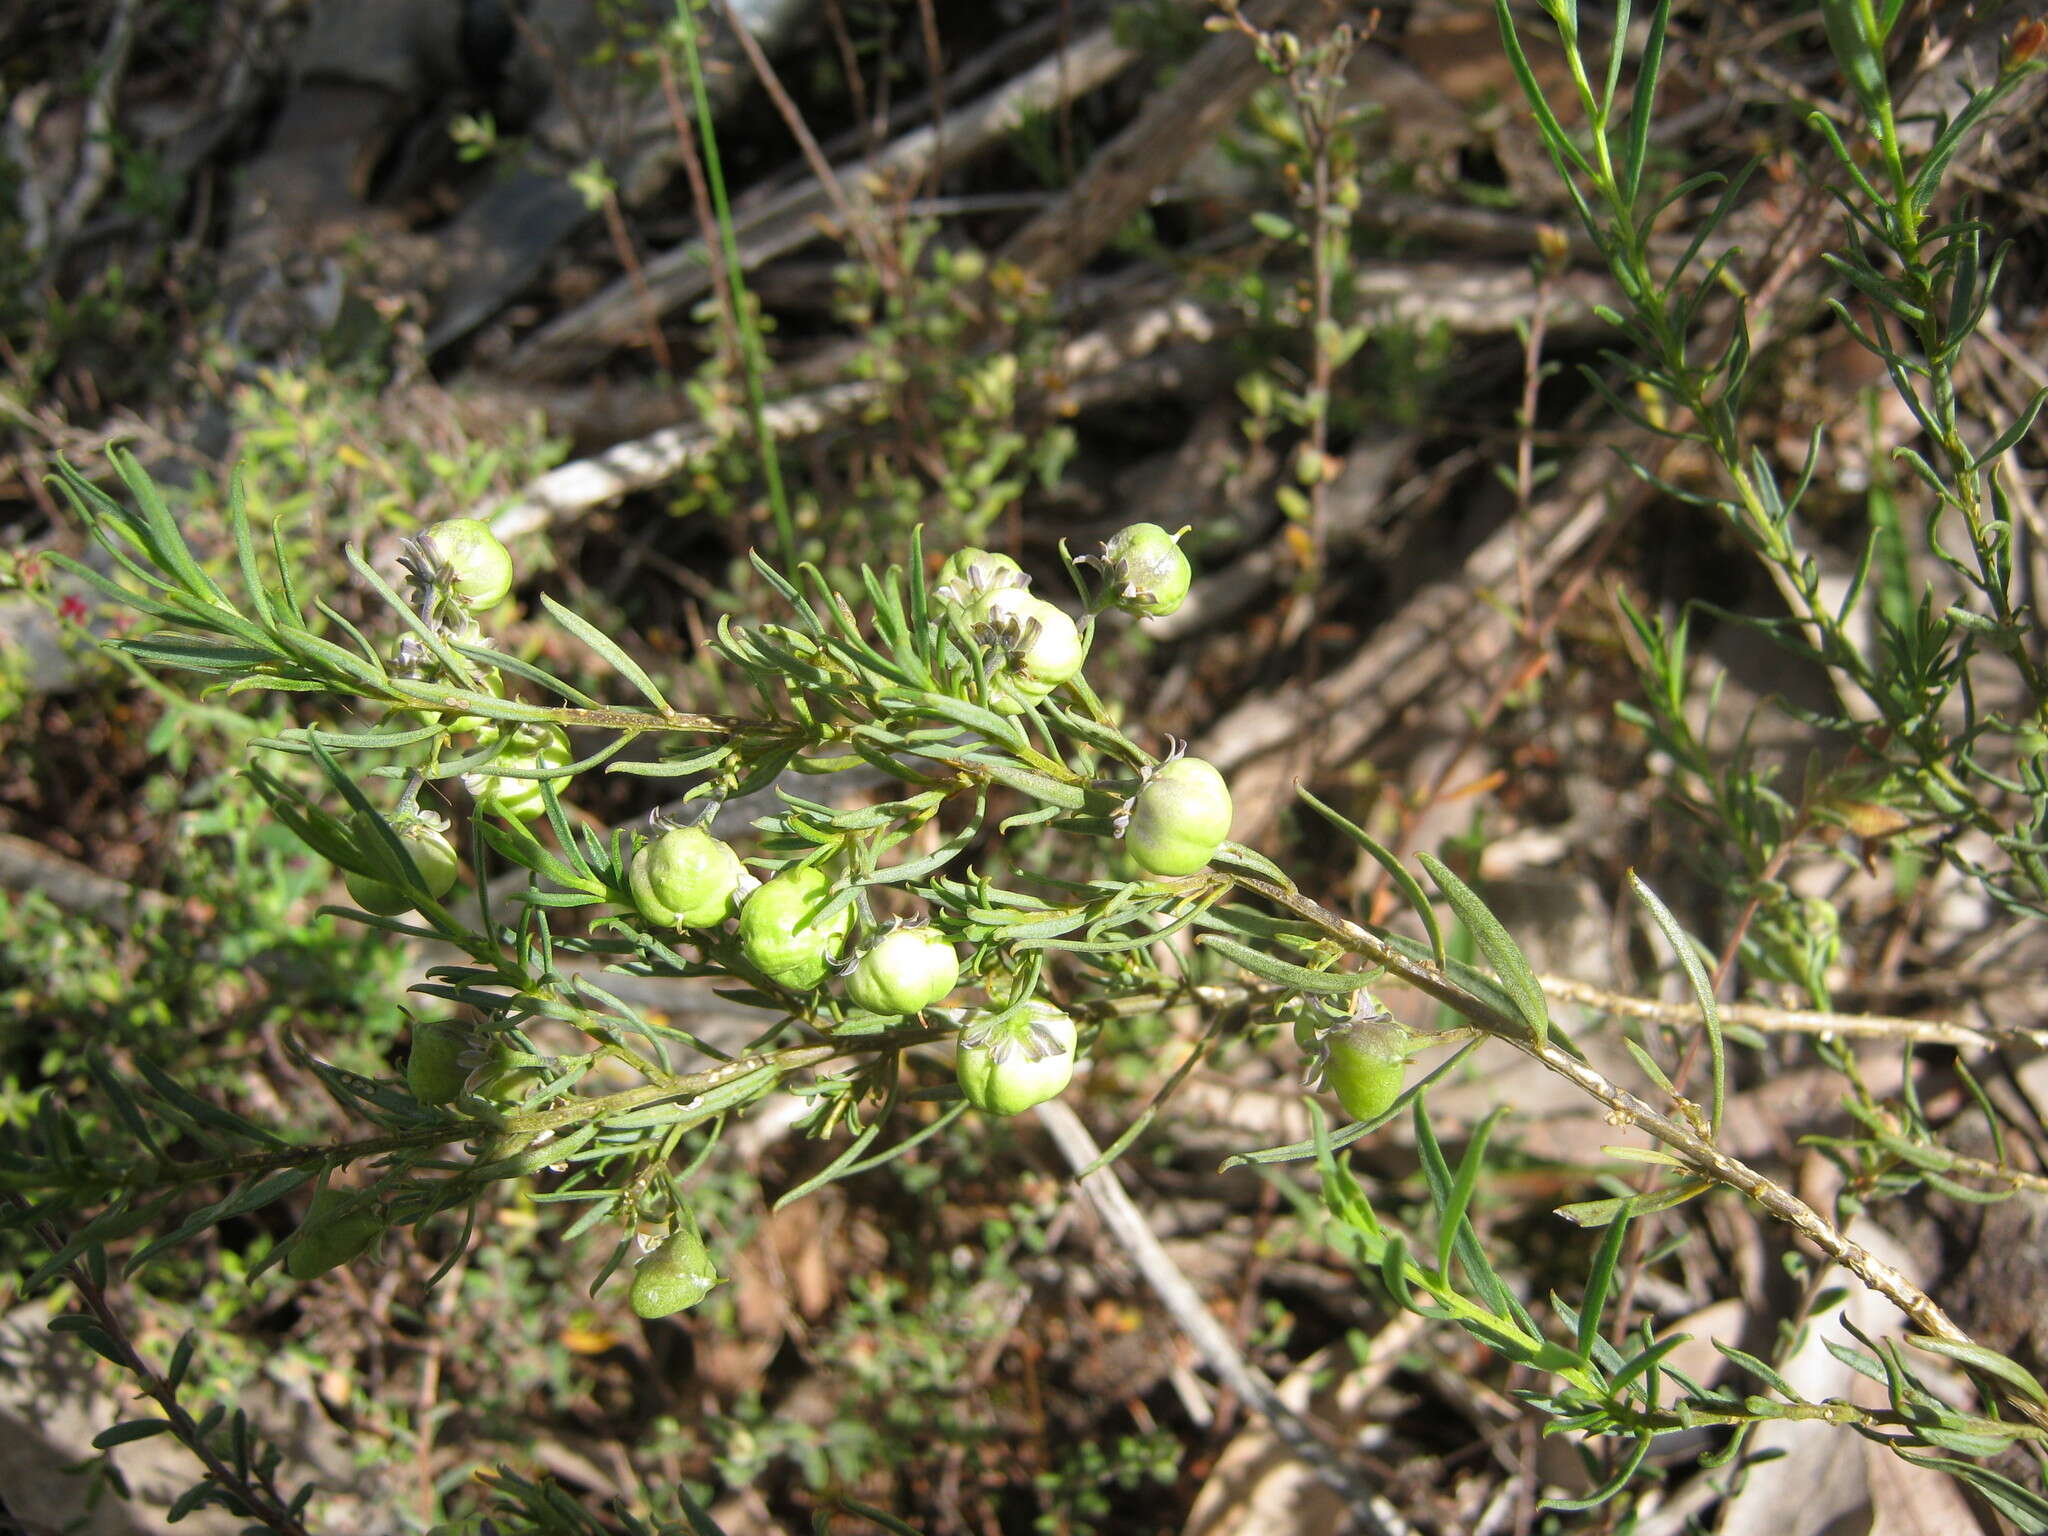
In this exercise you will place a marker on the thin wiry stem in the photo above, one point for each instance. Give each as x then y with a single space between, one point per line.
1797 1021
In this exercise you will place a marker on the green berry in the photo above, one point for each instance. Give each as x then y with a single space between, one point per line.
338 1227
782 935
479 568
971 574
531 745
905 971
674 1277
1180 817
1364 1063
686 878
1147 571
435 867
1007 1069
433 1065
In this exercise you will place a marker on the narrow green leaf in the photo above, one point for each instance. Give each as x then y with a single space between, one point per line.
125 1434
1462 1186
1039 786
2023 1506
1702 991
984 722
2021 426
1325 983
1594 1304
607 649
245 550
202 1110
1989 1361
1598 1213
1502 953
1760 1369
1624 1470
1394 1270
1643 108
1409 887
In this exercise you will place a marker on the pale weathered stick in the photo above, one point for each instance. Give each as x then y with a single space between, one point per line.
1175 124
1217 1349
1795 1021
786 221
646 461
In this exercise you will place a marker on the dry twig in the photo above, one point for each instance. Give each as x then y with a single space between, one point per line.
783 222
1218 1351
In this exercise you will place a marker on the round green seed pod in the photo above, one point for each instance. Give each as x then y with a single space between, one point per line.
674 1277
781 934
1024 1063
905 971
686 878
1147 571
479 567
1180 818
1365 1063
433 1064
1042 647
434 862
502 1081
338 1227
971 574
532 745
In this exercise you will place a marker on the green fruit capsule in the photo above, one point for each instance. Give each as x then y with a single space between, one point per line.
1041 646
478 567
338 1227
491 682
530 746
435 866
1147 571
502 1081
1180 817
905 971
1364 1063
1008 1069
433 1065
781 933
686 878
969 575
674 1277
